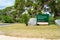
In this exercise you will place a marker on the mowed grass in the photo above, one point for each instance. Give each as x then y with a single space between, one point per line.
21 30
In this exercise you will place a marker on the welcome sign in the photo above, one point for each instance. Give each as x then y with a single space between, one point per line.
42 19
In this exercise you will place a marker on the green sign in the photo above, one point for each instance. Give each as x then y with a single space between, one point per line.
42 19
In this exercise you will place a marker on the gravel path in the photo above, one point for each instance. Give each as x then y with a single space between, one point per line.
2 37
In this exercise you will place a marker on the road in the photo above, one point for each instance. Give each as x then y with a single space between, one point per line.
5 24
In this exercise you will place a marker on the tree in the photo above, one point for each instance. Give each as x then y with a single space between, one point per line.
55 8
0 15
19 6
33 7
25 18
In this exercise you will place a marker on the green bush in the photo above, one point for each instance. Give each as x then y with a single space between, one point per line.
51 20
7 19
57 17
0 18
20 20
25 18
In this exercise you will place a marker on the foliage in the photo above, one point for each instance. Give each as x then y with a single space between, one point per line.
55 8
0 15
20 20
25 18
0 18
51 20
58 17
20 5
7 19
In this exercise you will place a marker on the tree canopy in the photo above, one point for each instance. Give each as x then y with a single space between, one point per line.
32 6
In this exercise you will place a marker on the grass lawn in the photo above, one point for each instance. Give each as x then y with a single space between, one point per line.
20 30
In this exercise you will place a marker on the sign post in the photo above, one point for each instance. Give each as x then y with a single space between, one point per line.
42 19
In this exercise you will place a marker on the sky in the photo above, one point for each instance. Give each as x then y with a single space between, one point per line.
6 3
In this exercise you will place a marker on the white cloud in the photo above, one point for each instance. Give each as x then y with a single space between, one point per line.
6 3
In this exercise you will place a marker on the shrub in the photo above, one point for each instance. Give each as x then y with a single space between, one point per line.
57 17
20 20
51 20
25 18
7 19
0 18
